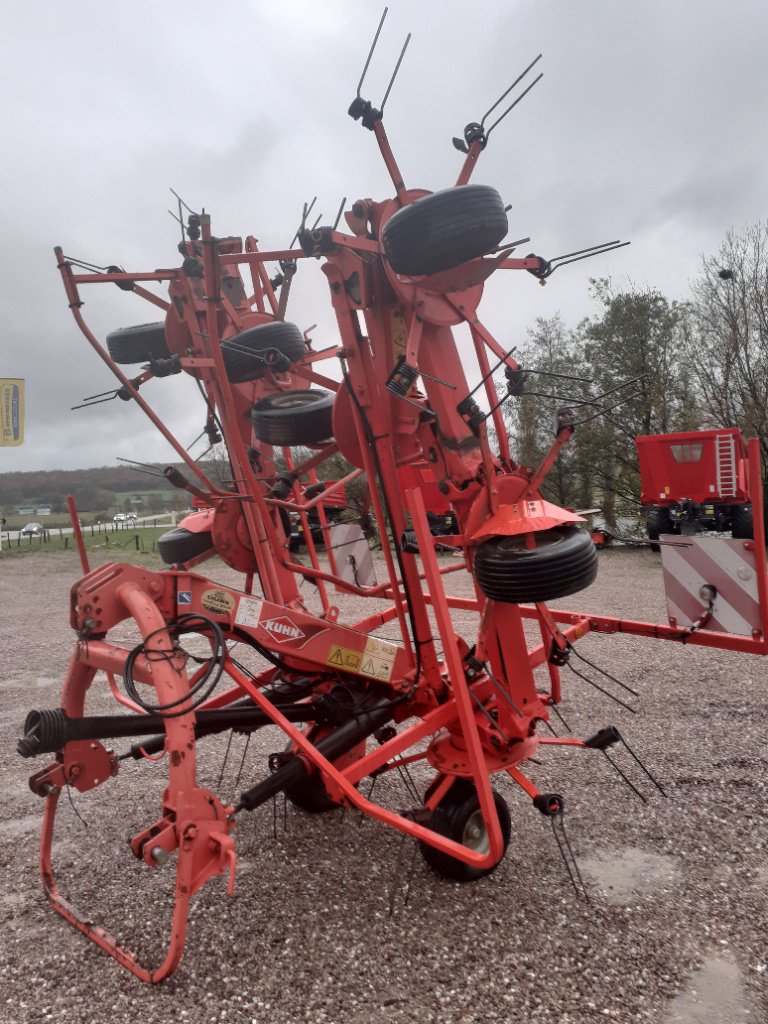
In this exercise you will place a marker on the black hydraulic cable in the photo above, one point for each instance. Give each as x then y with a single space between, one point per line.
369 435
205 685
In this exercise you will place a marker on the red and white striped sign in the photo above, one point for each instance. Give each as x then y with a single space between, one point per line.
691 563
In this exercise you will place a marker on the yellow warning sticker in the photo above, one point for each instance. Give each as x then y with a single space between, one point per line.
377 661
399 334
344 658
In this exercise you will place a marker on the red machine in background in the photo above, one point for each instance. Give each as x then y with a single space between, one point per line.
466 705
696 481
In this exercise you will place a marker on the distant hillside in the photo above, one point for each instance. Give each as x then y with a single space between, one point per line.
106 489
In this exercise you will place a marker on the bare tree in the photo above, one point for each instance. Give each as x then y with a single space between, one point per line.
727 334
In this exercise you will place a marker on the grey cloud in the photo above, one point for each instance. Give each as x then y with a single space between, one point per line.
648 124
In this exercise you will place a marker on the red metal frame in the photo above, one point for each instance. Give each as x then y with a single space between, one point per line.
469 724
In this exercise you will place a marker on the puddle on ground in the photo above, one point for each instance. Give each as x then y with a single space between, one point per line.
28 682
715 995
620 875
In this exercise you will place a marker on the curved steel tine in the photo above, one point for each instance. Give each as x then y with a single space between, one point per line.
394 73
506 93
513 105
370 52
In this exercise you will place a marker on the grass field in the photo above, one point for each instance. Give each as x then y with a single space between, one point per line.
128 545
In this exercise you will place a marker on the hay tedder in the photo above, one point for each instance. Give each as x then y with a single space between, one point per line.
345 704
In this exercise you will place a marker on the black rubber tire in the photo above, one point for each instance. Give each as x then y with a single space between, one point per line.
444 229
659 521
138 344
280 337
309 794
563 562
179 545
453 818
294 417
742 526
408 543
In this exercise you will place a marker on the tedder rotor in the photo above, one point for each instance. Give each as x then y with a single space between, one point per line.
399 409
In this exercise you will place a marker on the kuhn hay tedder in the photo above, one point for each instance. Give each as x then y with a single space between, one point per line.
407 270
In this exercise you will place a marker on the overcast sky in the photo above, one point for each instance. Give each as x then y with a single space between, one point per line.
649 125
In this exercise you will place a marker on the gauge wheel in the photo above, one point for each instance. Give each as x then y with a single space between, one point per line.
294 417
309 794
268 346
458 817
444 229
180 545
563 562
139 344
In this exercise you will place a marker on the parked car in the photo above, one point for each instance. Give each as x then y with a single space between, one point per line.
32 530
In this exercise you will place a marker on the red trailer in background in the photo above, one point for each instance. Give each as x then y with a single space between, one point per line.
440 516
696 481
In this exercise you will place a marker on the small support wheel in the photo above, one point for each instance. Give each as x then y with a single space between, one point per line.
293 418
458 817
563 562
138 344
309 794
444 229
250 353
180 545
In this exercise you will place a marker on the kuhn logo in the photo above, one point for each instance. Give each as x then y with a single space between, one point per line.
283 629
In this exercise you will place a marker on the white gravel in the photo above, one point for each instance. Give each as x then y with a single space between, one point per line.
673 883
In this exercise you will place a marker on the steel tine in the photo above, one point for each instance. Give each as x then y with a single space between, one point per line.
370 52
394 73
506 93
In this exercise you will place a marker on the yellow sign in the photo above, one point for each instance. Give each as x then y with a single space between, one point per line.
11 411
344 658
376 661
399 334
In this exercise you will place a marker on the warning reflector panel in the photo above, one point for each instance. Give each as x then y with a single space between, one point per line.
693 563
353 556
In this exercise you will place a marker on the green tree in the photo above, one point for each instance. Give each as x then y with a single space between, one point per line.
553 354
636 337
638 341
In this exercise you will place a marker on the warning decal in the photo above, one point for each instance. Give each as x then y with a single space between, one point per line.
343 658
379 658
692 563
376 661
399 334
248 611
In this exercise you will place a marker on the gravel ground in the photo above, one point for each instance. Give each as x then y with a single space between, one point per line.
676 930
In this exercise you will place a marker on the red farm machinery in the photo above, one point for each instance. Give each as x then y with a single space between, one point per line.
697 481
391 395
